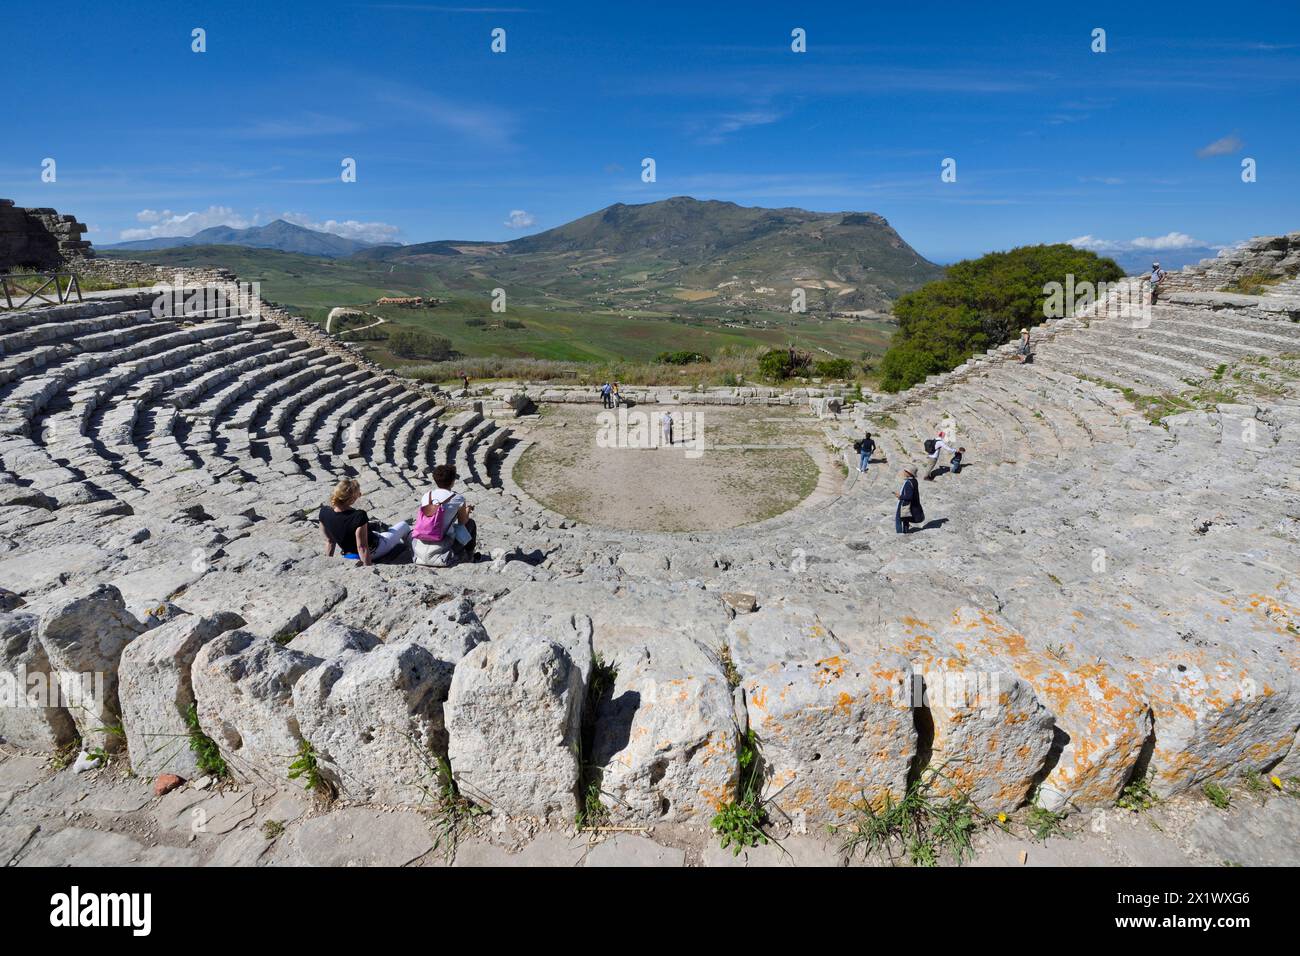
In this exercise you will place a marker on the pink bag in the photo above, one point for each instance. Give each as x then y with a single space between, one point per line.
429 528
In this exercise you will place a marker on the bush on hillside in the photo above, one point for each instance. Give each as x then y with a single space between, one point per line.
833 368
415 344
778 364
682 357
980 304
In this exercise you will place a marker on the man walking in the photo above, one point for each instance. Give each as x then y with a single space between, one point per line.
865 448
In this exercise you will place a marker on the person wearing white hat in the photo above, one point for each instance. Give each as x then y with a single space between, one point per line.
1157 276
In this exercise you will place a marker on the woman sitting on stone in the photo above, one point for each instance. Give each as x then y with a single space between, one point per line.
444 531
347 527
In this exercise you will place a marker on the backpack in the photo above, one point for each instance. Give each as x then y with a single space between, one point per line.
929 446
430 528
857 445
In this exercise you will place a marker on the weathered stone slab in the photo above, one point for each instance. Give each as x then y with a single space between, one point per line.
84 633
665 735
625 849
243 688
833 726
77 846
354 836
548 849
514 719
156 692
27 688
374 719
279 606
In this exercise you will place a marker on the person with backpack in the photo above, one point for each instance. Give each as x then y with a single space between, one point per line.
350 529
933 448
909 511
865 447
444 532
605 399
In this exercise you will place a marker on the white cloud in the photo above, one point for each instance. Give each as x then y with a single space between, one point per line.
519 219
348 228
168 223
1170 240
1222 147
730 123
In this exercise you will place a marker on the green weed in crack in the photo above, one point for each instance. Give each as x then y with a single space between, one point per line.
592 811
206 753
1042 822
454 813
1137 796
1218 795
739 824
920 828
306 768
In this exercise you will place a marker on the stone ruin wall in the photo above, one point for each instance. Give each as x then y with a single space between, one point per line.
39 238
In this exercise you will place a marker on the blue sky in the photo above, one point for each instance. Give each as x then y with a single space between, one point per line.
1052 141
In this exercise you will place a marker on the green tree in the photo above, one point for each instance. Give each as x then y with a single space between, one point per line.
980 304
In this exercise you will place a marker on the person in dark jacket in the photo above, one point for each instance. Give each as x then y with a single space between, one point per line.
909 510
955 464
865 448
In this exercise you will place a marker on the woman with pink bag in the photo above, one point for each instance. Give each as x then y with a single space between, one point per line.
444 532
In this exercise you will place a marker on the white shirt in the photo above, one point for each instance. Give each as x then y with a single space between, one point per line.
454 502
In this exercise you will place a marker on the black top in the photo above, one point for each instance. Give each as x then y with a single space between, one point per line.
342 527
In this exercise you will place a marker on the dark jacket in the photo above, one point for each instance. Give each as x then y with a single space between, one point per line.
910 499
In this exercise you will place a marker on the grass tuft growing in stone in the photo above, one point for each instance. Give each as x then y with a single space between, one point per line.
920 829
1217 794
592 811
1042 822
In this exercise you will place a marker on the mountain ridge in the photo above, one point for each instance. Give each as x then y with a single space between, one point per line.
279 234
744 256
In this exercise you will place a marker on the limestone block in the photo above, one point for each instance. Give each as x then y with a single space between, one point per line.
834 726
156 692
514 718
243 689
84 632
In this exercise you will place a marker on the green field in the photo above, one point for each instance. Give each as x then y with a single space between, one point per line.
557 325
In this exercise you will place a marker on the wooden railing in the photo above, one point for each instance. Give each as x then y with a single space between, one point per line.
60 285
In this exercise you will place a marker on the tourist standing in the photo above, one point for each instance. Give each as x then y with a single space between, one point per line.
909 501
1157 276
618 399
938 447
605 399
666 423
